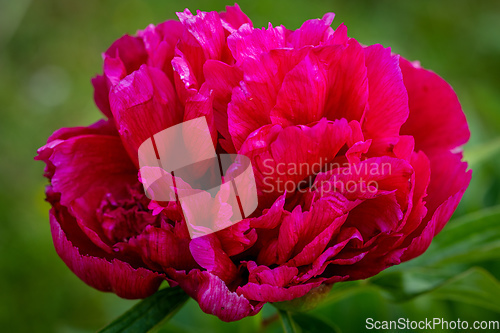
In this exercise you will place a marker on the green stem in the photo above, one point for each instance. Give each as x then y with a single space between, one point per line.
287 321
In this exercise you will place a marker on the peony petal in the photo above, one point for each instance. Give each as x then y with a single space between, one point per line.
312 32
84 170
206 28
253 100
160 42
213 295
388 98
248 42
143 104
221 78
187 79
278 168
233 18
101 94
130 51
208 253
441 215
339 37
165 247
270 218
314 249
100 127
301 99
102 273
436 118
378 215
268 293
347 91
449 176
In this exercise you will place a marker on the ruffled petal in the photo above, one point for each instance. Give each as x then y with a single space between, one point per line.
208 253
248 42
302 97
213 295
160 42
347 90
388 98
233 18
84 169
143 104
312 32
277 168
102 273
206 28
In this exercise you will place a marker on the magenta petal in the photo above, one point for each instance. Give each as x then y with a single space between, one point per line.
186 78
101 94
213 295
100 127
208 253
302 97
449 176
106 275
273 285
270 218
447 186
276 165
436 118
160 42
143 104
347 92
339 37
165 247
248 42
237 238
380 214
206 28
388 98
233 18
84 169
312 32
314 249
268 293
221 78
441 215
131 52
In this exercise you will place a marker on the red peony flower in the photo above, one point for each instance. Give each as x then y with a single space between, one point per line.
353 149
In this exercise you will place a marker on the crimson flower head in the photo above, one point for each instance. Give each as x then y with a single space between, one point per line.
353 151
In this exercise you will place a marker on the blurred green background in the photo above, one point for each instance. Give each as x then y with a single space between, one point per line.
49 50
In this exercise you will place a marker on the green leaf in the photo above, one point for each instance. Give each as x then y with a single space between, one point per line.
287 322
475 286
471 238
314 324
150 312
476 155
401 286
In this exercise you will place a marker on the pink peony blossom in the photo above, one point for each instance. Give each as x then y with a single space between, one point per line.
353 148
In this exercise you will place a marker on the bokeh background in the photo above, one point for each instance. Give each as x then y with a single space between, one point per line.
50 49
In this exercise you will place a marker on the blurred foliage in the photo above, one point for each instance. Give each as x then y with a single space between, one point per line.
49 50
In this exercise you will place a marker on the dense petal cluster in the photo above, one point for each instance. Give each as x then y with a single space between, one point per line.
353 150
